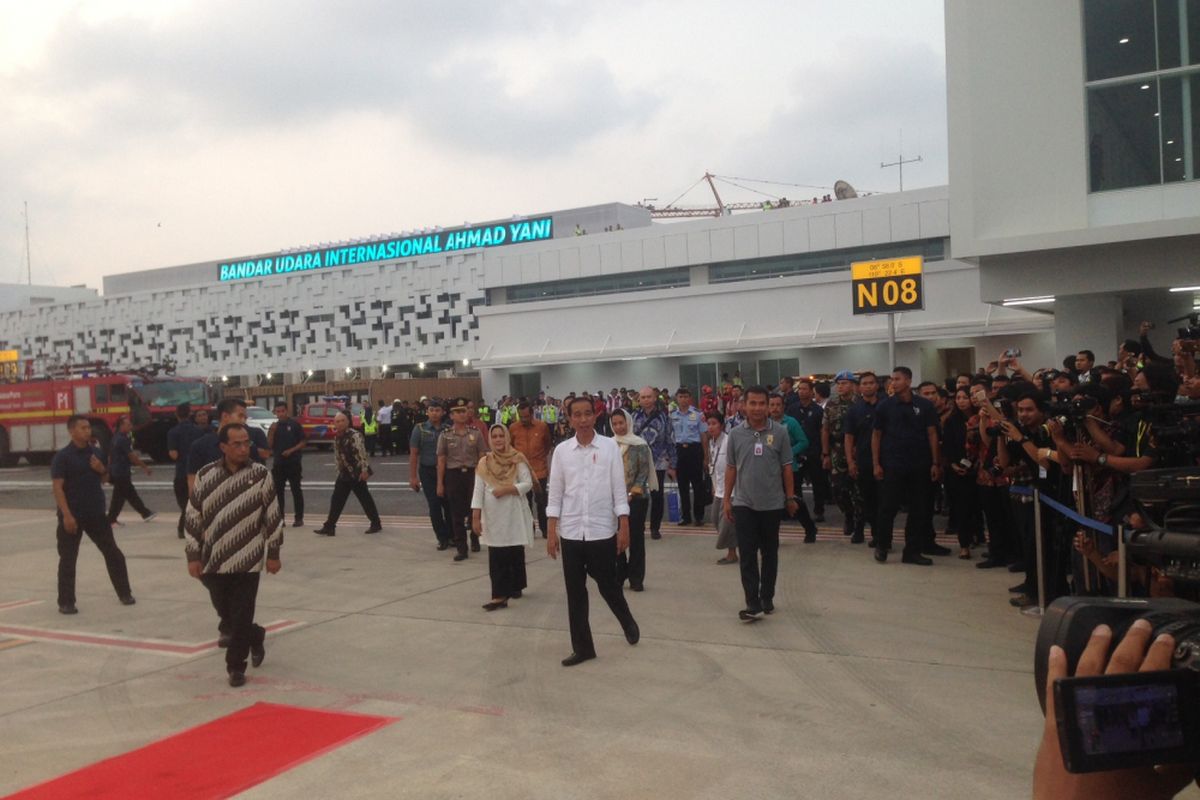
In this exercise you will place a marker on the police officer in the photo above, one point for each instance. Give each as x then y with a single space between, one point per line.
689 426
423 470
833 452
459 450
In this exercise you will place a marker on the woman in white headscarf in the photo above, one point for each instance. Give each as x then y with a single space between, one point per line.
640 481
501 516
717 441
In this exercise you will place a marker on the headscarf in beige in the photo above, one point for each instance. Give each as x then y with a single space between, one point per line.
628 440
498 468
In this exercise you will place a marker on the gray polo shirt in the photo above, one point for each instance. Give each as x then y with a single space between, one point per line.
760 458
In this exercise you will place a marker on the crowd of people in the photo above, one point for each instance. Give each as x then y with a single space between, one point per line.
594 474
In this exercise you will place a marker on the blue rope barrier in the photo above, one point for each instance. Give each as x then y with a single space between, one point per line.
1069 513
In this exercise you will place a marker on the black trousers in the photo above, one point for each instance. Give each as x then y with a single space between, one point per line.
656 502
506 568
538 496
995 504
181 498
100 532
758 532
963 496
802 515
868 487
123 490
234 597
597 558
689 473
289 472
631 565
342 488
1021 514
459 485
385 438
439 512
819 479
370 441
904 486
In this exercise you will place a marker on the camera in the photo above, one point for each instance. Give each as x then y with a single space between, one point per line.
1070 413
1118 721
1192 331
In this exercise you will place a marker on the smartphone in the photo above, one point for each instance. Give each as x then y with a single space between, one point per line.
965 463
1012 352
1130 720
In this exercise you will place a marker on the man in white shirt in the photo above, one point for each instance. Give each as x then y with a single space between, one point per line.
587 510
384 417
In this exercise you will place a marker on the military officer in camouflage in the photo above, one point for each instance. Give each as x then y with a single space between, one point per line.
833 456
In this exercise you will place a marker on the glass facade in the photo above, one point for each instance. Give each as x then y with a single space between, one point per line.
600 284
825 261
1142 77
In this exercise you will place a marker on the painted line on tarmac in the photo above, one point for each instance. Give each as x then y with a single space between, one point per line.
18 604
127 643
11 643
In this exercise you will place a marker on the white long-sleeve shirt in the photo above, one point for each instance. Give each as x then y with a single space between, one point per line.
587 488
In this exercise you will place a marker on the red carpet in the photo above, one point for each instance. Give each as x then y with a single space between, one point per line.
217 759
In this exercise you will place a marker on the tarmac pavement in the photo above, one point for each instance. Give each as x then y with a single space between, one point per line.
869 681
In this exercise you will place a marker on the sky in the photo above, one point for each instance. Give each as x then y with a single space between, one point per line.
151 134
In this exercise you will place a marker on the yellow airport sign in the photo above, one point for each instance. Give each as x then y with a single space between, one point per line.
9 356
887 286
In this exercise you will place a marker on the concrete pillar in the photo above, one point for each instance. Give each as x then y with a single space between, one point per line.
1158 307
1088 322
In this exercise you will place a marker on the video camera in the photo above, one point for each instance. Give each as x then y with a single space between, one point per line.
1174 431
1071 412
1192 331
1119 721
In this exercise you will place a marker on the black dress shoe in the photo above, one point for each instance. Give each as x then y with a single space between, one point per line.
237 679
127 600
492 605
1023 601
935 550
257 654
768 608
575 658
299 523
325 531
988 563
224 639
636 587
655 535
374 529
699 523
67 608
810 536
460 556
515 596
917 559
1020 588
880 555
474 547
443 545
871 542
856 539
750 614
633 633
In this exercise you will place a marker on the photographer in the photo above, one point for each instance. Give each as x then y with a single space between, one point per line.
991 481
1026 459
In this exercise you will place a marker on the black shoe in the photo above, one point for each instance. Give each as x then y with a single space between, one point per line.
988 563
460 556
818 516
515 596
768 608
699 523
237 679
856 539
299 523
575 658
443 546
810 535
492 605
67 608
655 535
935 550
257 654
683 523
475 547
750 615
374 529
636 587
224 639
1020 588
127 600
917 559
633 634
1022 601
871 542
325 531
1016 566
880 555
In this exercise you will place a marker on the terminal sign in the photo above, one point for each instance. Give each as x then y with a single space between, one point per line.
880 287
516 232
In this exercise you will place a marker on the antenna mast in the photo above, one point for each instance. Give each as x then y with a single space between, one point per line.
900 161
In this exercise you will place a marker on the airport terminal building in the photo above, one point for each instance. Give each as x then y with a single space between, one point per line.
1071 214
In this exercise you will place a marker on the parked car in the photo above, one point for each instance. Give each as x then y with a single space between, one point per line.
259 417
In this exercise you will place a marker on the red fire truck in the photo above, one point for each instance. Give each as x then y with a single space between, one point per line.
33 411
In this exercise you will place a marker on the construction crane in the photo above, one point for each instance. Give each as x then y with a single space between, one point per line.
842 191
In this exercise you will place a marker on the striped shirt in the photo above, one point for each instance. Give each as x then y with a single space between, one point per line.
233 519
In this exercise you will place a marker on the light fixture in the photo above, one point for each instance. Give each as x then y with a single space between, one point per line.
466 362
310 373
1123 40
1170 141
384 368
1186 289
224 379
268 376
420 365
347 370
1027 301
1145 86
1179 159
